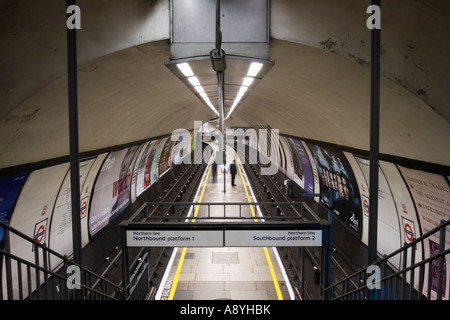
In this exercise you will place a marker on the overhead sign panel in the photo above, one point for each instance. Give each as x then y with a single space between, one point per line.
224 238
175 238
273 238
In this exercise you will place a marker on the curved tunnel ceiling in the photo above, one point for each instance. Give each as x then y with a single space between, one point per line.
130 95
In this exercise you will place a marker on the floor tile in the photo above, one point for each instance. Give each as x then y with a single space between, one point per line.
249 295
225 257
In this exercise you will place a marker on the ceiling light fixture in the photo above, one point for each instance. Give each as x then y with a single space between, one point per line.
243 75
255 68
200 89
247 81
185 69
194 81
243 89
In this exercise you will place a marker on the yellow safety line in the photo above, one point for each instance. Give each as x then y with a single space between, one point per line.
269 261
201 194
177 274
274 276
183 253
247 196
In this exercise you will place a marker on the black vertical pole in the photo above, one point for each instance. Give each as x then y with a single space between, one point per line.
441 261
73 136
328 246
125 261
220 81
374 140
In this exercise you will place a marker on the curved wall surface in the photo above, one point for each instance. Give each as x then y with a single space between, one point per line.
318 90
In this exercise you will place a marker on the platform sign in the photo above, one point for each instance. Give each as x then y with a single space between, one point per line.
175 238
273 238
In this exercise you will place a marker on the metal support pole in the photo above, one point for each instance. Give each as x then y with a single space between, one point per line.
441 262
8 267
219 65
125 261
326 265
374 141
220 80
218 29
302 261
74 148
328 246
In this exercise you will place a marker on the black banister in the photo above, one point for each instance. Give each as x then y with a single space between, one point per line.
405 289
44 289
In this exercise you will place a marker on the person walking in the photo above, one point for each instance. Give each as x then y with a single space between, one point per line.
214 172
233 172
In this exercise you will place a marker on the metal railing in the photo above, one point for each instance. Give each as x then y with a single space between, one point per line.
25 278
425 279
166 211
224 215
139 285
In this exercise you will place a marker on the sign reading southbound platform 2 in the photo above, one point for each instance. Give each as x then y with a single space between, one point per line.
273 238
224 238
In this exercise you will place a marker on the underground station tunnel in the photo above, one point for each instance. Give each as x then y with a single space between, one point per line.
224 150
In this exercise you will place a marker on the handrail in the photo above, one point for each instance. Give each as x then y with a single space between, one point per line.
154 205
104 283
396 273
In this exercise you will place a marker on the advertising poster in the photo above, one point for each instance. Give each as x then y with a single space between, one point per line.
112 189
409 227
9 191
409 223
252 139
431 194
148 179
182 146
60 235
165 160
86 195
389 235
335 172
32 215
141 167
155 162
287 166
144 179
135 170
303 175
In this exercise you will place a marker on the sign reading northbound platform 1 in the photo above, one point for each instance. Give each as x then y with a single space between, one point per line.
227 238
175 238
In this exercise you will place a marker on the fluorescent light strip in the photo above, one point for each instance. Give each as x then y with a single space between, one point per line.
200 89
255 68
194 81
253 71
185 69
243 89
247 81
188 73
210 105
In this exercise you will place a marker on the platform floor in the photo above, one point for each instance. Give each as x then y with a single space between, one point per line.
235 273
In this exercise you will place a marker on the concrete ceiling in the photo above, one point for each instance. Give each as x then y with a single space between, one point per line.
318 88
